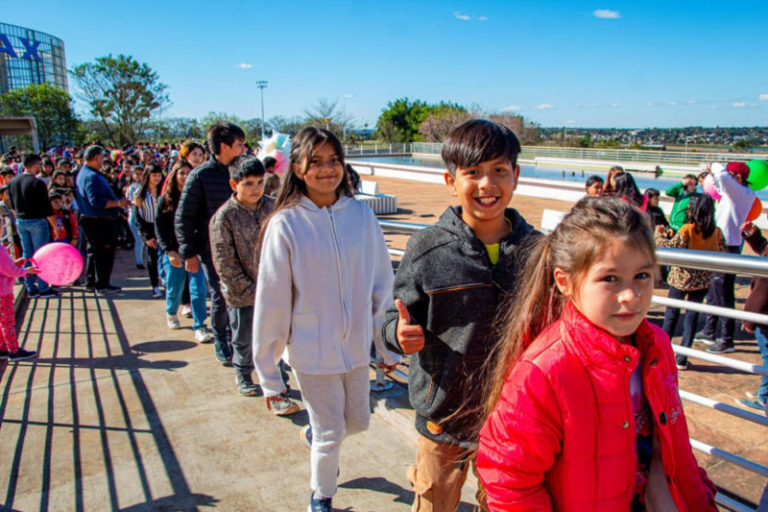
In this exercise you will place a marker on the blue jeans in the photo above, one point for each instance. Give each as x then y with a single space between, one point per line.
672 315
762 343
34 234
138 243
174 288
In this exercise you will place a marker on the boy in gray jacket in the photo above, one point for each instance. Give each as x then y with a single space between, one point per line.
449 289
234 233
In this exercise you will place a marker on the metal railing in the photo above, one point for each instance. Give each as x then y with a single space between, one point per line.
615 155
718 262
395 148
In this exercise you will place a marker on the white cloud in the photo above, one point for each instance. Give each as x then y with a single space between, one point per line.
606 14
671 103
544 106
691 102
615 105
243 65
511 108
482 18
462 17
739 104
763 97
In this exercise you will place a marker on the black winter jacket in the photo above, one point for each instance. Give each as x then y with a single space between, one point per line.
447 282
164 228
206 189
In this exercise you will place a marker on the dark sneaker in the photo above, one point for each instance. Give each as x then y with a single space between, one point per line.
306 435
50 294
245 385
21 355
32 294
703 337
109 290
319 504
721 347
223 355
140 266
753 404
3 354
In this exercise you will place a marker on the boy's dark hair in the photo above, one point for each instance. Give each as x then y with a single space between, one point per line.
691 176
61 161
592 180
3 188
479 140
6 170
652 192
54 195
92 152
269 161
223 132
31 159
246 166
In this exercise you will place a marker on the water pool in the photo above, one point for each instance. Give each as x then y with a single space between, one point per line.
568 174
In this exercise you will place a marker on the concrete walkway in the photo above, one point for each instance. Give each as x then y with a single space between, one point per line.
121 413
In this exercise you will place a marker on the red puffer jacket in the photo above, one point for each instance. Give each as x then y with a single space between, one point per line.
562 436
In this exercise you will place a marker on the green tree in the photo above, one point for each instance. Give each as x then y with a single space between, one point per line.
122 94
401 119
442 118
50 106
285 125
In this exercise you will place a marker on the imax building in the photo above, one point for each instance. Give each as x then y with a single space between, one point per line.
30 57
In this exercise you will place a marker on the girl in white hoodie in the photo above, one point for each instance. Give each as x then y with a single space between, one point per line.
324 282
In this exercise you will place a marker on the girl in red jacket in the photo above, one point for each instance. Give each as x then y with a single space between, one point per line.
583 412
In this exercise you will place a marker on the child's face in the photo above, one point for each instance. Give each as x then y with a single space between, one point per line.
595 189
56 204
155 178
249 190
653 200
60 179
68 199
323 176
484 190
615 292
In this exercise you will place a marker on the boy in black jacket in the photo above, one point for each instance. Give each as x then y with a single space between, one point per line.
448 288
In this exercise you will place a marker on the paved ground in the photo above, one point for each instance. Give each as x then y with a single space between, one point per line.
121 413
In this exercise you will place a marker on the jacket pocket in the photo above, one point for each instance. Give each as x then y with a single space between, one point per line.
305 340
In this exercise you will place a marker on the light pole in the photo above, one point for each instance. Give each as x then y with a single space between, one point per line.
262 84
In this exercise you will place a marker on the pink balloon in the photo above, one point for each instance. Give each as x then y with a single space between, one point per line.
58 263
710 189
282 162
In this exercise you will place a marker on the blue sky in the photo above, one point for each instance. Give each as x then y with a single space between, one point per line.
559 63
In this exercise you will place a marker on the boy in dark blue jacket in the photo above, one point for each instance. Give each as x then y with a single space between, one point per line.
450 283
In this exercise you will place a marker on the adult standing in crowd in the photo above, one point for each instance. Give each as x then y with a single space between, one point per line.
34 217
100 209
730 214
205 190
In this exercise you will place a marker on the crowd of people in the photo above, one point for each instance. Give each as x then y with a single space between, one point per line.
564 396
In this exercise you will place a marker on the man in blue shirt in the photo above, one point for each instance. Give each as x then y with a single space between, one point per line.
100 210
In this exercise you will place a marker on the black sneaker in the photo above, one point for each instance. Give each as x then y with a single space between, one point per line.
50 294
721 347
703 337
3 354
319 504
140 266
33 294
21 355
109 290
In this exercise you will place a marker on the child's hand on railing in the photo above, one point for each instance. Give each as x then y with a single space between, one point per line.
748 228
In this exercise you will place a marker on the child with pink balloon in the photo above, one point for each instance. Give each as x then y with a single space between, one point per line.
9 343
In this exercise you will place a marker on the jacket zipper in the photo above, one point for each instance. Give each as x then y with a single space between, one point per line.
341 290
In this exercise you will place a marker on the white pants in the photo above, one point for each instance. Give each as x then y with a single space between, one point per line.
338 406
